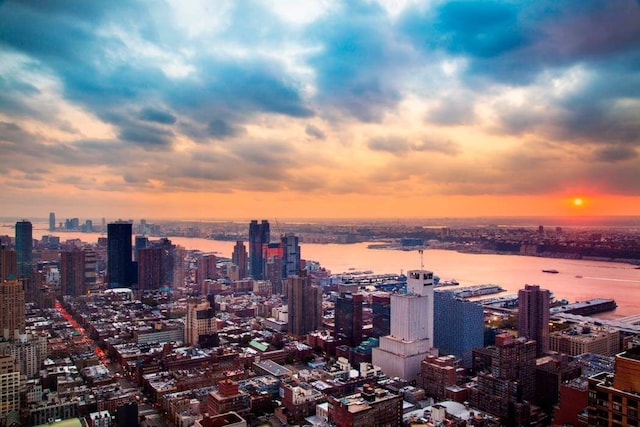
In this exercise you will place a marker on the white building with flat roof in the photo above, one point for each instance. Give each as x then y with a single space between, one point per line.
411 338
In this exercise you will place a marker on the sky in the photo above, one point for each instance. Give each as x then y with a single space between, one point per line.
196 109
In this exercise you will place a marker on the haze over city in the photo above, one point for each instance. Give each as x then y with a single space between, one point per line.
374 109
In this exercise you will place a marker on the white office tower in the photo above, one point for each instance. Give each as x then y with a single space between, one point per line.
411 339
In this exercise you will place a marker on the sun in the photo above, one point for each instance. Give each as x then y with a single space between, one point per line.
578 202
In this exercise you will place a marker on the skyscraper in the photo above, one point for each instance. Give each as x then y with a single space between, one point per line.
291 255
348 319
141 242
458 326
506 388
24 247
52 221
8 263
533 316
119 264
72 273
258 235
150 269
381 309
11 308
240 258
304 305
207 269
411 338
90 269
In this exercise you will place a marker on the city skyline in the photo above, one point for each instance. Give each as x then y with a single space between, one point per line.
379 109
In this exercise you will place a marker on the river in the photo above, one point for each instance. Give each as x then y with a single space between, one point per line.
577 280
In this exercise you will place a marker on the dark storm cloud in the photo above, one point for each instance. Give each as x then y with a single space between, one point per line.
615 154
220 128
99 71
114 62
158 116
360 66
513 41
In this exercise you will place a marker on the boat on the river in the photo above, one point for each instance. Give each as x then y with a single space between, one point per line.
551 271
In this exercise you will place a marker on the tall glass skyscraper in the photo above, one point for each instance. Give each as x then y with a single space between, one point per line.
458 326
259 235
291 256
24 247
119 264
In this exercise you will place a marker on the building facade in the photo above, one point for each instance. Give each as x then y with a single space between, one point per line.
348 319
291 255
533 316
8 263
259 235
411 340
458 326
240 258
119 264
381 310
72 272
614 400
304 305
24 248
200 320
12 317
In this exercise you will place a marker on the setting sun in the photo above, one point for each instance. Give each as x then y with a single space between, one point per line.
578 201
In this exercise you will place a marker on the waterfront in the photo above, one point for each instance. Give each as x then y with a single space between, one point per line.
598 279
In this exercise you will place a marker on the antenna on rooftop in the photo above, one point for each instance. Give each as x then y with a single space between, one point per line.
421 252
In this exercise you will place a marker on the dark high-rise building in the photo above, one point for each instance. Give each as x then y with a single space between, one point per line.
141 243
458 326
381 310
127 414
290 256
150 269
259 235
172 262
72 273
119 265
304 305
8 263
24 247
508 385
348 319
241 259
533 316
52 221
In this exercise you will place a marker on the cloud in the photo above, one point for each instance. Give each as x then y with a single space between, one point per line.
158 116
615 154
144 96
400 145
360 63
393 145
221 129
314 132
